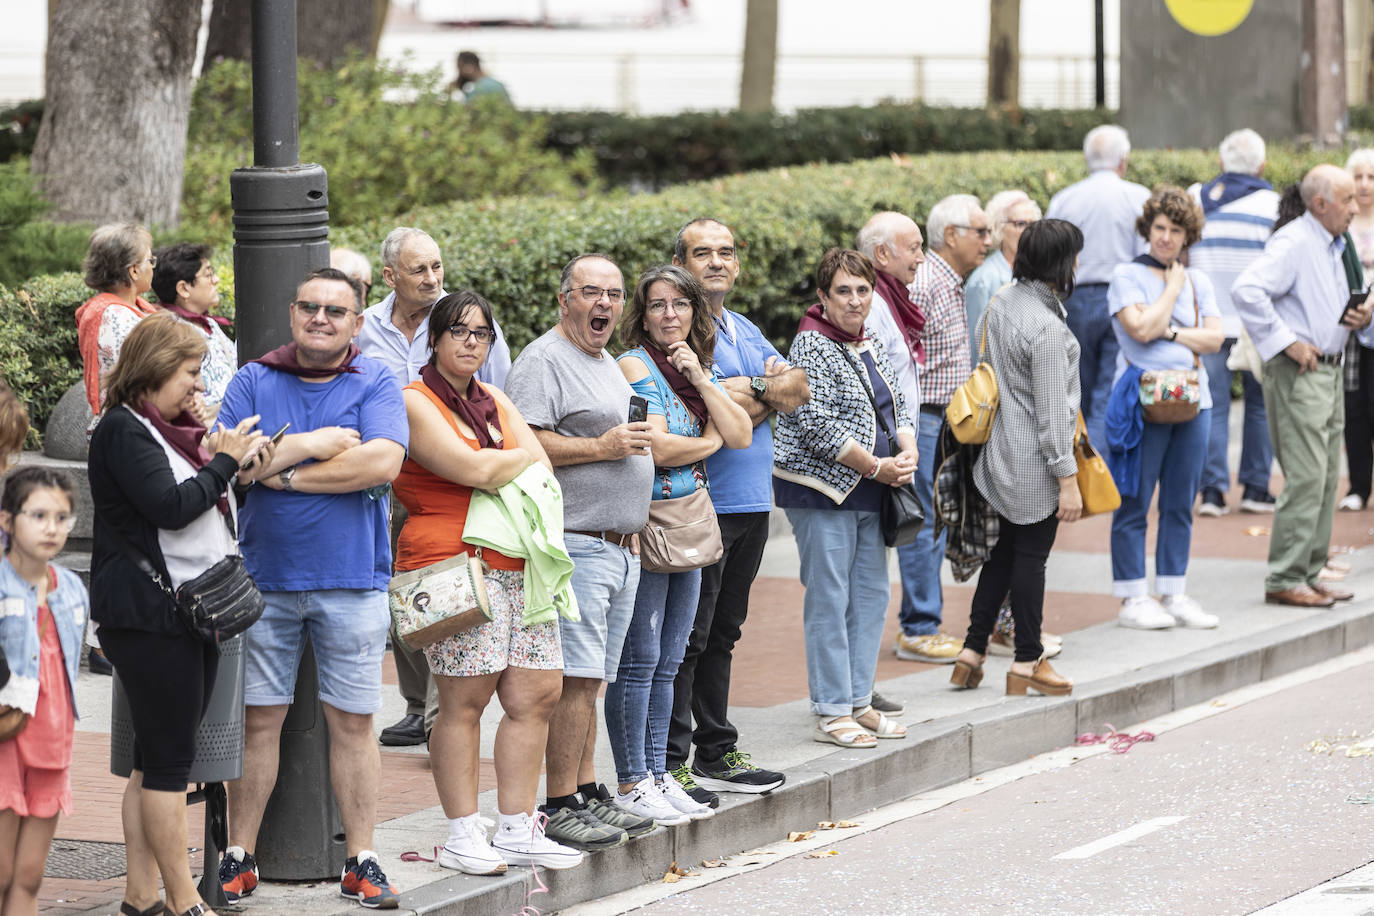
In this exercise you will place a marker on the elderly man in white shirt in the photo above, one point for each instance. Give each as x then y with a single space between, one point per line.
1293 301
1104 206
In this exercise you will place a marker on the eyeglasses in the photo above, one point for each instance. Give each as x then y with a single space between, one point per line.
659 306
66 521
150 259
461 333
311 309
207 272
594 294
983 233
1018 223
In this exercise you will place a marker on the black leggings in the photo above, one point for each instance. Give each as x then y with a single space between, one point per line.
1359 426
167 678
1016 567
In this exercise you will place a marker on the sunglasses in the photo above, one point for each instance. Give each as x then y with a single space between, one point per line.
333 312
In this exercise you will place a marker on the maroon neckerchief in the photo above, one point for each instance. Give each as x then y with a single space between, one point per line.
815 320
685 390
184 433
907 313
284 359
477 408
207 322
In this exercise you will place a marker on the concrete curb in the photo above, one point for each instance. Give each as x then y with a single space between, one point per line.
936 753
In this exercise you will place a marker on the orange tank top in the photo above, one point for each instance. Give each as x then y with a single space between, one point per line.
437 507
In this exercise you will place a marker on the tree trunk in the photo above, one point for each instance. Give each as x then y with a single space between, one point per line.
1004 53
112 144
326 30
760 56
1323 105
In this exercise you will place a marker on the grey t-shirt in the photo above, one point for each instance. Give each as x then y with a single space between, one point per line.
560 388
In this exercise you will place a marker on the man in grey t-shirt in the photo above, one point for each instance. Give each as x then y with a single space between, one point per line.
573 395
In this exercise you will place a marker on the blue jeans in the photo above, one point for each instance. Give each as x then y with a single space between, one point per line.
844 571
919 562
1256 451
639 705
1171 454
1090 323
604 580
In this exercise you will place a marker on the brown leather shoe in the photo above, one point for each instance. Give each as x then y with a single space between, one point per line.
1042 678
1300 596
1333 592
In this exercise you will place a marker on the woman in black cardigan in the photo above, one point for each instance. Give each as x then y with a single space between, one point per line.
161 490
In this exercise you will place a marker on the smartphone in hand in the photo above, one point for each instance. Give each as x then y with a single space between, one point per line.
276 437
639 409
1357 298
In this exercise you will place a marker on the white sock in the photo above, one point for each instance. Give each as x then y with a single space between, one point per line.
457 826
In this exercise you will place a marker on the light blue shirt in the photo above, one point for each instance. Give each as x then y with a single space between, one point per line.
993 274
1104 207
1135 284
1296 290
882 324
381 340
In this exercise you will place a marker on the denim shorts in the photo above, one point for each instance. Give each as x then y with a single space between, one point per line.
605 578
347 628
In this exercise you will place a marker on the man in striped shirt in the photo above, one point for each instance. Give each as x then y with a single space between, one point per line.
1240 208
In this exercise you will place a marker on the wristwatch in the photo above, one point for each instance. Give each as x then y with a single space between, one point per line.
759 387
285 478
1173 333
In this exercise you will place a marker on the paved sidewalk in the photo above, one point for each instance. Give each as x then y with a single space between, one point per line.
769 705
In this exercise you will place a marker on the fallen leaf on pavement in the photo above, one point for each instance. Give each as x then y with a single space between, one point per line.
847 824
674 874
796 836
713 863
1256 531
822 854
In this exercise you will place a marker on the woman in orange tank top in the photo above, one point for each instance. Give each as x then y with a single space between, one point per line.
465 435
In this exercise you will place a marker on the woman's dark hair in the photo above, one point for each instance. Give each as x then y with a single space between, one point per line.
1290 206
1176 205
175 263
852 262
21 482
14 422
449 309
1047 252
701 335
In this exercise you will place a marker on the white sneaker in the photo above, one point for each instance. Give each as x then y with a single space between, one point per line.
1144 613
1351 503
520 840
467 849
646 800
676 796
1188 613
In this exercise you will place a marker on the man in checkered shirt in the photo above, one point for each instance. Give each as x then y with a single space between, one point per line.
959 236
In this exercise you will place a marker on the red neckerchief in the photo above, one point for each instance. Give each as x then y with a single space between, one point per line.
184 433
815 320
284 359
477 408
908 314
685 390
207 322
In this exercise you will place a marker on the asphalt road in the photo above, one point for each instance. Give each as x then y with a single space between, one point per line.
1228 810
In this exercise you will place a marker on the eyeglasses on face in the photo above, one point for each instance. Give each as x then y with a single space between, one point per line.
659 306
206 273
65 521
983 233
461 333
594 294
1018 223
150 260
333 312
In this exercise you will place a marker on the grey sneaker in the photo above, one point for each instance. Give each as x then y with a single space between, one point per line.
580 828
600 805
886 706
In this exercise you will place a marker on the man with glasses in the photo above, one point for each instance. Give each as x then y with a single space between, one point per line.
314 537
574 397
959 235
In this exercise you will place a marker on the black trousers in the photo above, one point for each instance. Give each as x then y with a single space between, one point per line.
167 678
702 686
1359 427
1016 567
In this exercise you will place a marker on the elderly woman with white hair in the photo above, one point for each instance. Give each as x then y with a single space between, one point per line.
1009 213
1359 393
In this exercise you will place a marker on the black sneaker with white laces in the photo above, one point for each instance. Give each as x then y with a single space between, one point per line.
734 773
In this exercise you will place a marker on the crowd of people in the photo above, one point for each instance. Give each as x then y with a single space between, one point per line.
616 506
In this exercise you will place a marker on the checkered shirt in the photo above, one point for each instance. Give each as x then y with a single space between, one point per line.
939 292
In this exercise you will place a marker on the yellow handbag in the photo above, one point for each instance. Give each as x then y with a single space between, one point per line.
1095 484
974 405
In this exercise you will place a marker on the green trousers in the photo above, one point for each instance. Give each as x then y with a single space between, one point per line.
1306 422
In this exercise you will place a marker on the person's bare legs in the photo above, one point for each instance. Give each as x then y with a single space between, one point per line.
572 736
248 795
355 767
164 829
20 877
528 697
140 879
454 744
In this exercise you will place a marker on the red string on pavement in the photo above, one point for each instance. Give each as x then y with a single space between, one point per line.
1120 742
416 857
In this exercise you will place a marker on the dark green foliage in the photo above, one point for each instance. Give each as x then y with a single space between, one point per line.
29 245
38 354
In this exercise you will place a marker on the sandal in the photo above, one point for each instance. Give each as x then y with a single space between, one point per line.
157 909
883 728
844 733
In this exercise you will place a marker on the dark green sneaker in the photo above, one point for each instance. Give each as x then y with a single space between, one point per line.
613 815
701 796
734 773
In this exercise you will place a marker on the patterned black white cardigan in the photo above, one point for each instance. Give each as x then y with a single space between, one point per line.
808 441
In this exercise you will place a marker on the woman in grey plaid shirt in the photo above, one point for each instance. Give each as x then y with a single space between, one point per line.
1026 470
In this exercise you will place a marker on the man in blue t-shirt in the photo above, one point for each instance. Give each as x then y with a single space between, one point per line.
314 535
760 381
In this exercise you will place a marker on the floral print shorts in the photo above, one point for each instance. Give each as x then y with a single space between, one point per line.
502 641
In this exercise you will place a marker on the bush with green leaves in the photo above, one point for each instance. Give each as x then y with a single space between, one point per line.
29 244
390 140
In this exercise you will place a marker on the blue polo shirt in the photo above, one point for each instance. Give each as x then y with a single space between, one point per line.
742 479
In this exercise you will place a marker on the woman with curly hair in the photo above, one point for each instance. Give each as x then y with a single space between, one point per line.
1165 315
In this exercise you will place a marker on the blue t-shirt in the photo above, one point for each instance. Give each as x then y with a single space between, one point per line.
1136 284
741 478
295 542
670 483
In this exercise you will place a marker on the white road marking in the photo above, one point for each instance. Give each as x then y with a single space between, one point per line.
1087 850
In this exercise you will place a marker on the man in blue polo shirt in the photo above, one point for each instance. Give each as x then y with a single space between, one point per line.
741 489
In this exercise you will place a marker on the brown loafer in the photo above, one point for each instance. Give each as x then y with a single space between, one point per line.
1300 596
1042 679
1333 592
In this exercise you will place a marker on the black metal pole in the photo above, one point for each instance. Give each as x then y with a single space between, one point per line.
276 130
1100 85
